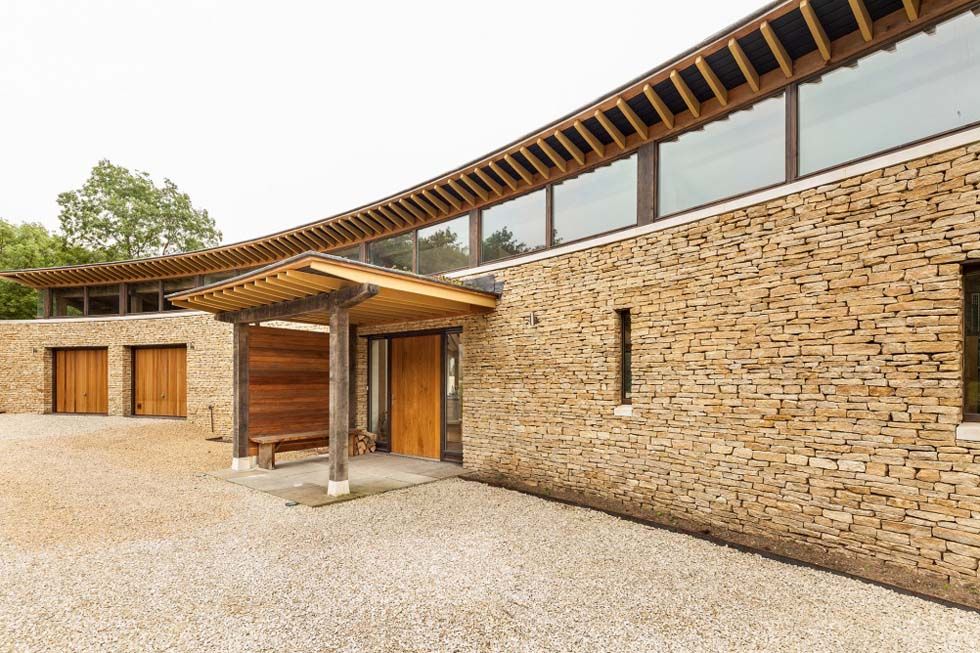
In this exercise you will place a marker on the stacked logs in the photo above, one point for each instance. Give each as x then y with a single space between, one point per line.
360 442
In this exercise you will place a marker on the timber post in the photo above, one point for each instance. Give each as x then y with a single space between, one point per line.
338 483
240 458
352 378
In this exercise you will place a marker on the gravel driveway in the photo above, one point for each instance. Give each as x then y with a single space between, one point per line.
112 539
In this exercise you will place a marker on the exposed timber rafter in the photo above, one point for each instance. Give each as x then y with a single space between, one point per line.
693 104
816 29
641 127
863 18
911 9
776 46
590 138
519 169
538 164
659 106
339 299
500 172
567 143
713 82
497 189
475 187
611 129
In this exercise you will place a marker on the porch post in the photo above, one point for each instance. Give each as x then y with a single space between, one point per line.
240 459
339 407
352 377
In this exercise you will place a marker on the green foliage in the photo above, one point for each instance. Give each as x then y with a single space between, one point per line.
441 251
118 214
30 245
501 243
394 252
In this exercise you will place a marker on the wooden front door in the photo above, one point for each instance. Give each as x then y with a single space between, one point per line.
81 382
416 394
160 381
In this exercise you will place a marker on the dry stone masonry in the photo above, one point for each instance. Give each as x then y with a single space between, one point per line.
797 370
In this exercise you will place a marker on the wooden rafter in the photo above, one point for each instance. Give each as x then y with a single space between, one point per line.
500 172
519 169
641 127
488 180
776 46
659 106
611 129
693 104
371 222
713 82
342 298
567 143
538 164
449 197
412 209
911 9
391 215
816 29
426 206
436 201
863 18
475 187
402 213
462 192
590 138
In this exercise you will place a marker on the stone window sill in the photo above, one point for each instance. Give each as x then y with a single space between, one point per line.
968 432
623 410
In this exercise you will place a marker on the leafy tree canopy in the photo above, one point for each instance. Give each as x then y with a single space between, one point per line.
441 251
118 214
30 245
502 243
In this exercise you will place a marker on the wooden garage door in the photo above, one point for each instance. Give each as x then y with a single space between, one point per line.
81 381
160 381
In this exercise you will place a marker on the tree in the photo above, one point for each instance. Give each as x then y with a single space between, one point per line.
118 214
30 245
443 251
502 243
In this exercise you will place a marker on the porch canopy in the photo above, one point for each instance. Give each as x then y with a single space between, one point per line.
322 289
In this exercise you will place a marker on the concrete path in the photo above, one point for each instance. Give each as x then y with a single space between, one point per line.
305 480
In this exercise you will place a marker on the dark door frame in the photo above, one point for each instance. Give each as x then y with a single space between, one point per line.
388 337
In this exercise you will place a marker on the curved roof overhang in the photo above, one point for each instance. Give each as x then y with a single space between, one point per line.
301 289
760 55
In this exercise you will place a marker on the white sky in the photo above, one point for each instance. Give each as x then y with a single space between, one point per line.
271 114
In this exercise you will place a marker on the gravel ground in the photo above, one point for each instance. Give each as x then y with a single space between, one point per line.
112 539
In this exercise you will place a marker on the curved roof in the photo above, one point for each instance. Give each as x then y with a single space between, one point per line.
781 43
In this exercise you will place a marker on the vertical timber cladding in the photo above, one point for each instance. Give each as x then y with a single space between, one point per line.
288 383
416 395
81 380
160 381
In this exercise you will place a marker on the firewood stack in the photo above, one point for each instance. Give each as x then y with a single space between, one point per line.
360 442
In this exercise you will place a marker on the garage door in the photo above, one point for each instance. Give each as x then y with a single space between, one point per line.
160 381
81 381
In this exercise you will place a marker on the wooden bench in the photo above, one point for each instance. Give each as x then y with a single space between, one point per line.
269 444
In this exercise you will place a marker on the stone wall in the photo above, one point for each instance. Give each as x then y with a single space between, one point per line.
26 366
26 355
797 373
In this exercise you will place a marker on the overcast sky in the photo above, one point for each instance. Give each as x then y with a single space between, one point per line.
271 114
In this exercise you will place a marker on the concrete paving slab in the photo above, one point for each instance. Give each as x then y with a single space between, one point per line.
305 480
